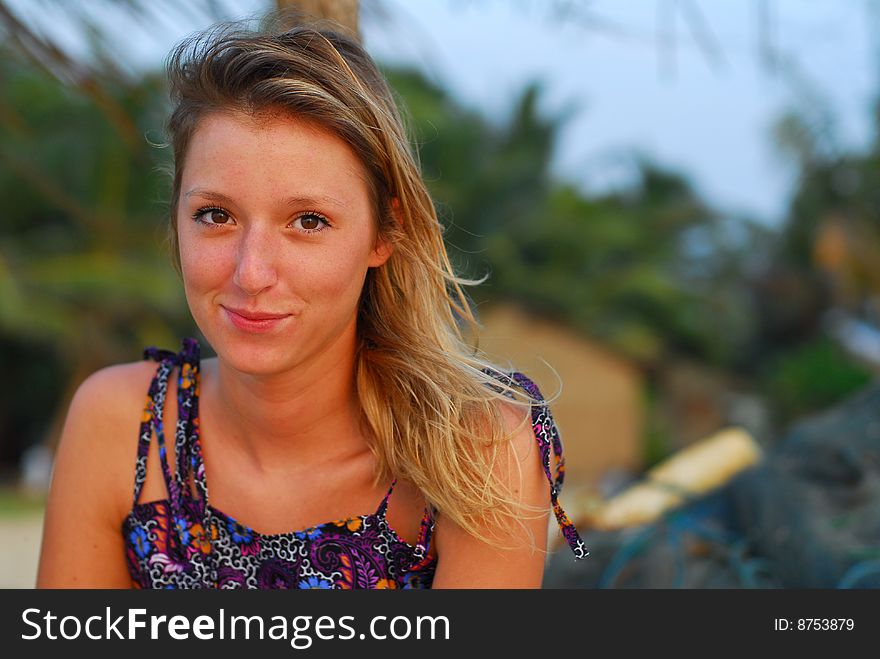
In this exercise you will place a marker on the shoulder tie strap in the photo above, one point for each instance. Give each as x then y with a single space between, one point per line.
151 422
189 463
547 435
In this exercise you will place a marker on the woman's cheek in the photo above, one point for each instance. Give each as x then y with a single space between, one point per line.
347 280
205 263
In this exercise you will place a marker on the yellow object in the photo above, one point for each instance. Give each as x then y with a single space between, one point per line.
695 470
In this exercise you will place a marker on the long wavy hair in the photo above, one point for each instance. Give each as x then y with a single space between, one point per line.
428 398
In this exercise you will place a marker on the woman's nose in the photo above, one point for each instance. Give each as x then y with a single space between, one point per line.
256 270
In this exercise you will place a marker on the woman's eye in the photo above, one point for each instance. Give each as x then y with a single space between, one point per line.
311 222
212 216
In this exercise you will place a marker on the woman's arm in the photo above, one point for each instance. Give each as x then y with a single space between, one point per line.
464 561
92 482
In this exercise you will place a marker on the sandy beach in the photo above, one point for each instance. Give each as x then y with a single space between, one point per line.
19 549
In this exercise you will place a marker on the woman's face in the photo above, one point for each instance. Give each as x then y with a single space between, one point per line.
276 234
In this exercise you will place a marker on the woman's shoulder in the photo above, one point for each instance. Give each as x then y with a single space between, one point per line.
530 438
518 404
92 479
521 465
102 427
109 395
109 404
118 380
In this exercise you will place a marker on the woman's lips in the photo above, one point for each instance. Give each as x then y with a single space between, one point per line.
254 321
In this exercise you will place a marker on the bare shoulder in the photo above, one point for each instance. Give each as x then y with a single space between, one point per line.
517 420
103 422
520 464
92 479
468 562
116 385
105 414
106 401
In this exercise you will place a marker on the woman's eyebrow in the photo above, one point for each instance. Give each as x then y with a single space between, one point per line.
289 201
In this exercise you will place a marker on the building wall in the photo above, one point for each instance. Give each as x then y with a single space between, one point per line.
599 408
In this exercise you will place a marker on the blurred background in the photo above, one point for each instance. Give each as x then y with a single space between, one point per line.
677 202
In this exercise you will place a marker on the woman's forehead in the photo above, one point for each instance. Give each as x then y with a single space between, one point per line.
297 156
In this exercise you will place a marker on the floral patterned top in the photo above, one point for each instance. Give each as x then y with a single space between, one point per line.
184 542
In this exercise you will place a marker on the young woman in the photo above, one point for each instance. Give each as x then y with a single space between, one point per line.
344 400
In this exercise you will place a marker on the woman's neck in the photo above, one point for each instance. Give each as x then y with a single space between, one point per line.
302 417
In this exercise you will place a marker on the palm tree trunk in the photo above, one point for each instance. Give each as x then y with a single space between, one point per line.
343 12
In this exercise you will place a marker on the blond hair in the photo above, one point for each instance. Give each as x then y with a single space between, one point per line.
429 399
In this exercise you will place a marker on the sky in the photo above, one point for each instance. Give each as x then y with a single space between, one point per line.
709 116
629 76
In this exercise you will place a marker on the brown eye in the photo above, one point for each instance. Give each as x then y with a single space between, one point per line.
212 216
216 216
311 222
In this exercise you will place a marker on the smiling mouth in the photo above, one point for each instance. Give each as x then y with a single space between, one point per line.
254 322
256 315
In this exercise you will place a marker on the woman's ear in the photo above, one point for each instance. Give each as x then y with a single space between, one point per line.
384 247
381 252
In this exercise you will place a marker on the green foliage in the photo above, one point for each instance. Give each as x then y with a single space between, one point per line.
484 177
812 376
82 255
656 441
621 267
85 279
835 185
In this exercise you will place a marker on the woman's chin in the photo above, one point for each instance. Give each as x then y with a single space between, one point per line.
254 356
257 365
